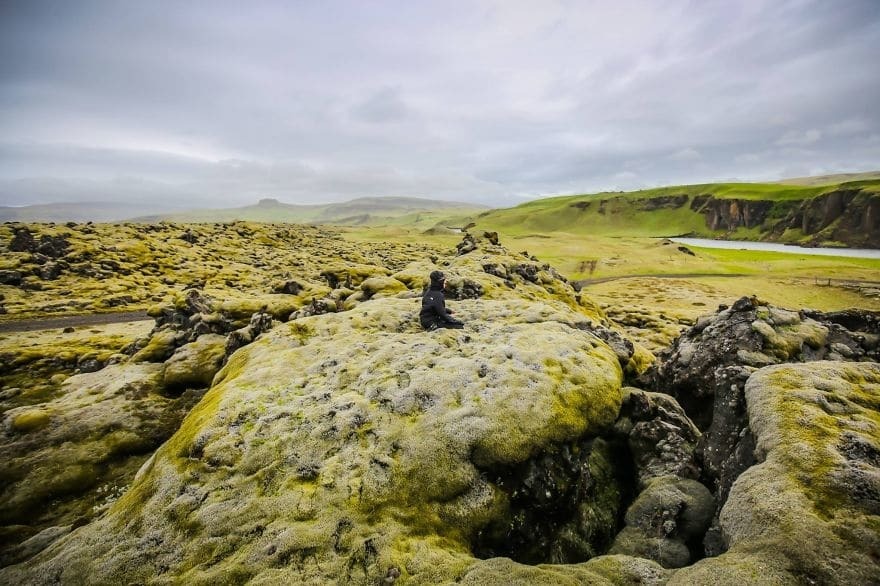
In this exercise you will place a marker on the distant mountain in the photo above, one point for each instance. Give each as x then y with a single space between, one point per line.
85 211
818 180
362 211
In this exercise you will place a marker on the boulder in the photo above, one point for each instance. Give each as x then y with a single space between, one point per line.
668 515
352 447
260 322
159 346
662 439
196 363
8 277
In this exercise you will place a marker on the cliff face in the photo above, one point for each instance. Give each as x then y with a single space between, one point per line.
731 214
847 216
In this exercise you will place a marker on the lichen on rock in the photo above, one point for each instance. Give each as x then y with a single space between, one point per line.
354 446
60 450
707 369
807 512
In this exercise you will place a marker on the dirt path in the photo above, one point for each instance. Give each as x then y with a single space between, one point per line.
48 323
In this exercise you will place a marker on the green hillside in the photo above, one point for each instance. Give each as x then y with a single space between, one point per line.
744 210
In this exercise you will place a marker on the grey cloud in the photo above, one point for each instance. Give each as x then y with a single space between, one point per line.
386 105
321 101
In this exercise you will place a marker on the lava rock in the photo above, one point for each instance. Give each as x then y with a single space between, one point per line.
800 516
661 437
669 514
707 368
196 363
288 288
260 322
467 244
8 277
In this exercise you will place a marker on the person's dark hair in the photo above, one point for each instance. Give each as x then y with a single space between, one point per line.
437 277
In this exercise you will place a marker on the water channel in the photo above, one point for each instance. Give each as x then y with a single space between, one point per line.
775 247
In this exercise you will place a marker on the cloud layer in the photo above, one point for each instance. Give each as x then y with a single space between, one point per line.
220 103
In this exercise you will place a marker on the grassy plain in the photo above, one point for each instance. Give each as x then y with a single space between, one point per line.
654 289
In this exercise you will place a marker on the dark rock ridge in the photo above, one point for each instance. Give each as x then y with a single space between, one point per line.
848 215
706 370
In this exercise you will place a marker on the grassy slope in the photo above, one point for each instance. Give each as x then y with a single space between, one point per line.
623 216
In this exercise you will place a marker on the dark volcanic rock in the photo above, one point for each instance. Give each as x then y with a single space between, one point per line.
623 347
10 278
564 505
51 246
661 437
260 322
49 271
707 367
288 288
22 241
467 244
464 289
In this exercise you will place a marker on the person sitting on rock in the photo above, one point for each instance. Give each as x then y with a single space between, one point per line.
434 314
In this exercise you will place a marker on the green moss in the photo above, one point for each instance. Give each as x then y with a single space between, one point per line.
159 348
31 420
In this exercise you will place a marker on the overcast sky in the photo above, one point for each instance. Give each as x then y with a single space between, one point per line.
220 103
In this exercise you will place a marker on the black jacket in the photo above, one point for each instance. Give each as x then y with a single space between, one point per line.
433 313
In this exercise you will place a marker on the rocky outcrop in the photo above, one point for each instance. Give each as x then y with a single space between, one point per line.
731 214
194 365
807 512
370 453
706 370
848 216
672 510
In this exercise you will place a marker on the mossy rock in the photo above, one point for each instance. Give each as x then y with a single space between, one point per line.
60 451
336 448
607 570
196 363
30 420
159 347
378 287
667 514
807 513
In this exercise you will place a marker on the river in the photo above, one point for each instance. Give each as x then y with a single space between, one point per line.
774 247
